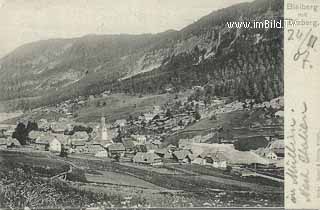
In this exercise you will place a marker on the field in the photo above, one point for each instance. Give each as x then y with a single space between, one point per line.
113 184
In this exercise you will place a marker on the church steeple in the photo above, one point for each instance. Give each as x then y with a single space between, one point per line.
104 132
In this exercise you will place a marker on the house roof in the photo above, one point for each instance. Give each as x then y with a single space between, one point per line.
232 155
181 154
121 122
116 147
45 139
168 155
218 156
78 142
54 141
35 134
81 135
63 139
128 143
141 148
191 156
146 157
161 151
198 160
151 147
59 126
13 141
277 144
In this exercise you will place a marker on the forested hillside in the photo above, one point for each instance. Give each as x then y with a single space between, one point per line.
245 63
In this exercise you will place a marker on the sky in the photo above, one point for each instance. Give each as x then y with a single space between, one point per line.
24 21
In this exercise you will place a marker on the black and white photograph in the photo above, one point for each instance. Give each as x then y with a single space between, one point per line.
141 104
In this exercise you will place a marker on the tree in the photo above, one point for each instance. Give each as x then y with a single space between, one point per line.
32 126
64 152
168 113
21 133
197 115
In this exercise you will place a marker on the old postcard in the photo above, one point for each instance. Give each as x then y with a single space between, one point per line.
159 104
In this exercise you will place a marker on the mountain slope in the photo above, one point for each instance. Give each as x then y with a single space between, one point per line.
233 62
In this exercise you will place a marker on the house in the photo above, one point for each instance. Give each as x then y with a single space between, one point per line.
271 155
78 146
199 161
63 139
120 123
3 143
80 136
181 156
59 127
141 139
279 114
171 148
151 147
12 142
116 150
161 152
43 125
94 148
219 160
157 142
147 158
33 135
42 143
8 133
55 145
140 148
277 146
102 154
149 117
128 144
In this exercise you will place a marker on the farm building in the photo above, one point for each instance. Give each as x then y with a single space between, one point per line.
181 156
128 144
116 150
217 160
232 155
147 158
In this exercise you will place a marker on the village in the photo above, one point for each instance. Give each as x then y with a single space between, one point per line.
141 140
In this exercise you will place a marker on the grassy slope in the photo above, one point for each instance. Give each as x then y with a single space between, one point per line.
227 121
120 106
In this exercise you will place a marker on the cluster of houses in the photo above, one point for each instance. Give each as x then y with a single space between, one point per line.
141 148
6 140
